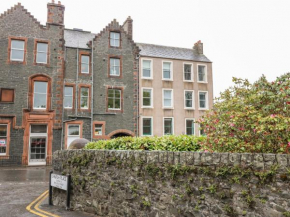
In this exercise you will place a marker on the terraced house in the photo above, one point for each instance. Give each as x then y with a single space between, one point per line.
57 85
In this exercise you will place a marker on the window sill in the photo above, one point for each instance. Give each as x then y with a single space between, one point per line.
202 82
42 64
202 109
147 135
188 81
147 107
168 107
186 108
146 78
167 79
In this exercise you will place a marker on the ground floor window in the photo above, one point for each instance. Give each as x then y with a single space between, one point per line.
147 125
189 124
201 131
3 139
73 133
38 143
168 126
98 129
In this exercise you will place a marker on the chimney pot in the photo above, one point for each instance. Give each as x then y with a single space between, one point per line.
59 2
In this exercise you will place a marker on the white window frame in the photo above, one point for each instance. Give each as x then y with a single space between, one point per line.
190 119
41 52
118 109
113 66
72 96
114 39
4 154
88 64
147 117
76 136
206 100
102 125
164 125
18 60
88 101
172 99
205 69
192 74
171 70
193 100
151 98
151 69
41 94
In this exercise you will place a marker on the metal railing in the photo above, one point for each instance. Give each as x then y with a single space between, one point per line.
19 160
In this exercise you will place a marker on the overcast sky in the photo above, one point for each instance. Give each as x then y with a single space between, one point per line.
243 38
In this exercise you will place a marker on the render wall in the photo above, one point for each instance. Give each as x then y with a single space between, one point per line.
142 183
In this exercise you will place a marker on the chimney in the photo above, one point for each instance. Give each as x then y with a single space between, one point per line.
128 27
198 46
55 13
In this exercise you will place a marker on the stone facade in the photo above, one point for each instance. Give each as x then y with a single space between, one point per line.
141 183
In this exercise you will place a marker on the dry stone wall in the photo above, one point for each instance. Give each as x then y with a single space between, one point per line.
141 183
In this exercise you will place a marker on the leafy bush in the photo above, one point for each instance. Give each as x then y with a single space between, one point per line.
250 117
164 143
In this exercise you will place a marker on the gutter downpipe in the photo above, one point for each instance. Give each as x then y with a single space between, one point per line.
61 139
92 91
137 57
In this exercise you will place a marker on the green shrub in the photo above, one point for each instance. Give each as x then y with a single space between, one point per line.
163 143
250 118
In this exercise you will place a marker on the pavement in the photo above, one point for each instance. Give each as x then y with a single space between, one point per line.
23 193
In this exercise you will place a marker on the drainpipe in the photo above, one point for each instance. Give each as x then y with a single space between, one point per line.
137 57
77 82
63 86
92 90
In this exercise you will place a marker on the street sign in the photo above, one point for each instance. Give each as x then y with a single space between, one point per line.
59 181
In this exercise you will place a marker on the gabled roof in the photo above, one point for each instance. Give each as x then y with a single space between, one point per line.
152 50
77 39
11 10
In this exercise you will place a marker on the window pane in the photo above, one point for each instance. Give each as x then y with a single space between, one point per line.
114 66
98 129
40 87
167 94
68 102
39 101
115 39
166 74
41 58
3 143
85 59
189 127
166 66
146 64
3 130
147 126
17 44
84 91
85 68
146 73
84 102
146 102
38 129
110 103
42 47
167 102
187 68
201 73
147 93
187 76
17 55
117 104
167 126
188 103
188 95
68 91
73 130
117 93
111 93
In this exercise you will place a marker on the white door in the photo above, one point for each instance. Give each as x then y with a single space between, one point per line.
37 145
73 133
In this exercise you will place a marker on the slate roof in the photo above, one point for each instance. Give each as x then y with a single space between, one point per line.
77 39
152 50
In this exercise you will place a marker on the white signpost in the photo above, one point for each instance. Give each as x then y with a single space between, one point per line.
60 182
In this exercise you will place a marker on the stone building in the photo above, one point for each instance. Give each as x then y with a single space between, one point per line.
57 85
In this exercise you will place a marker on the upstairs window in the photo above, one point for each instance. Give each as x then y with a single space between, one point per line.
187 72
203 102
147 69
114 39
40 95
114 99
168 126
202 73
167 98
68 97
3 139
189 99
167 71
189 125
114 67
6 95
85 64
41 55
147 97
84 98
17 50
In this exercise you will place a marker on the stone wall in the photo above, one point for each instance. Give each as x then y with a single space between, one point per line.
140 183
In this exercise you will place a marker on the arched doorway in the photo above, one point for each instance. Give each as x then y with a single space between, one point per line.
120 133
